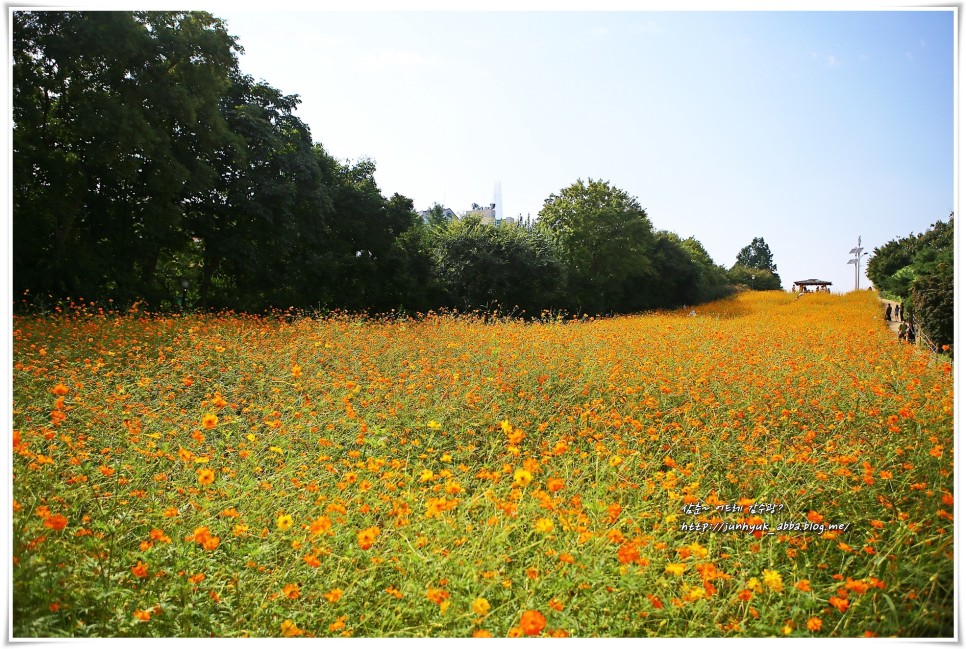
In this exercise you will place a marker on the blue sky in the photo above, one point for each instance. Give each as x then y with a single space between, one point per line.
808 129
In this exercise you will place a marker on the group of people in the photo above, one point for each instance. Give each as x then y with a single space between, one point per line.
898 312
906 331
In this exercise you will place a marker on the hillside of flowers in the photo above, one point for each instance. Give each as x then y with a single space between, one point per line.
769 465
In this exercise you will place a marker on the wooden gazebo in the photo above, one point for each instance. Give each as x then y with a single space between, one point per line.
801 286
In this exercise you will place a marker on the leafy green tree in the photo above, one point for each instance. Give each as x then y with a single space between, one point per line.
364 233
712 280
919 269
932 300
756 260
607 243
260 225
894 266
677 272
438 216
486 267
758 255
116 122
754 278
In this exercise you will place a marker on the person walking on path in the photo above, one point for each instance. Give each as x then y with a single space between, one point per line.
888 315
902 331
901 309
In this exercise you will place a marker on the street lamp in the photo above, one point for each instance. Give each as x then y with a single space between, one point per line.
753 282
184 291
857 251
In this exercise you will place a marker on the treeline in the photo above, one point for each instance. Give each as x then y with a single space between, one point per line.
148 167
918 271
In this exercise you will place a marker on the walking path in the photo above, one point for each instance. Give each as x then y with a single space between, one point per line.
894 323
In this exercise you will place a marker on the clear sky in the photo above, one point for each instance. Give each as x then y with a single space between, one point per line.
808 129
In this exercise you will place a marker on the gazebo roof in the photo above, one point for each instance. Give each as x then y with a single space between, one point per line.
812 282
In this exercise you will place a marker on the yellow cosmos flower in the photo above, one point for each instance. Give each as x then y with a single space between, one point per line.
675 568
289 629
543 525
522 477
773 580
480 606
284 522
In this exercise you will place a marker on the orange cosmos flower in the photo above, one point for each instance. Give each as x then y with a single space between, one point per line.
367 537
841 603
482 633
533 622
203 537
209 421
334 595
143 616
60 389
814 624
437 596
140 570
615 536
312 560
55 522
320 525
628 553
855 586
339 624
291 591
206 476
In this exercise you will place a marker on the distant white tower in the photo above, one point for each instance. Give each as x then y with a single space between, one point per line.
498 200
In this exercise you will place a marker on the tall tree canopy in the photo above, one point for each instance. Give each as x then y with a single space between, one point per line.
116 121
756 256
484 266
607 243
918 269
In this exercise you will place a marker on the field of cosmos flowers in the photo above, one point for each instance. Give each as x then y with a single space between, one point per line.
769 466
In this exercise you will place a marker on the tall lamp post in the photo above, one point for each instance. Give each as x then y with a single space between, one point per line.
857 251
184 292
753 282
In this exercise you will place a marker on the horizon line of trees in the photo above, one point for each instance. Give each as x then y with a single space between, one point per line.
147 167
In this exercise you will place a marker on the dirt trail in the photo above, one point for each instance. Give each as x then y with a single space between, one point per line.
894 323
